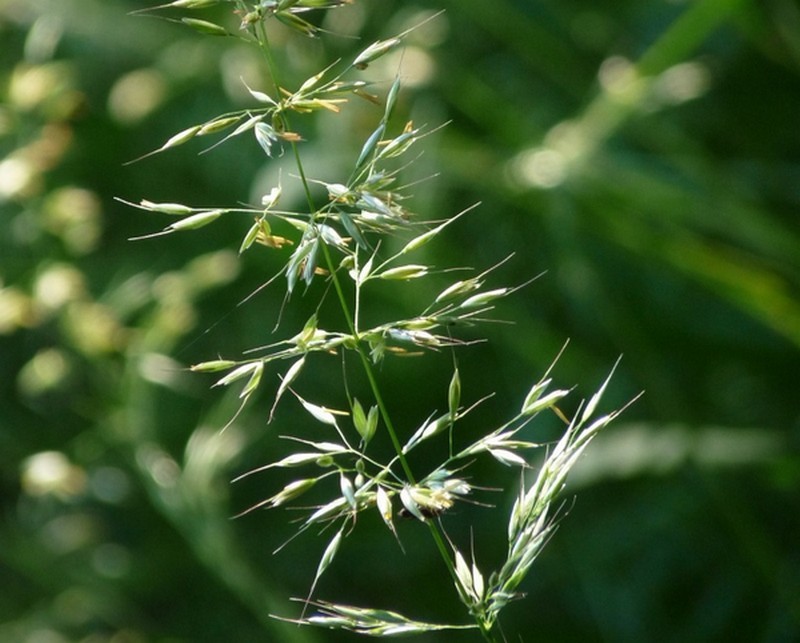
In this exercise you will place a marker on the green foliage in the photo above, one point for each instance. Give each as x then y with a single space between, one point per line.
640 153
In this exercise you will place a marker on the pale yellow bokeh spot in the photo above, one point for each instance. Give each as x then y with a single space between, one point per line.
51 473
136 95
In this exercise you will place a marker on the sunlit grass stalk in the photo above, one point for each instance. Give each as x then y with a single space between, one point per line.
265 47
370 205
363 357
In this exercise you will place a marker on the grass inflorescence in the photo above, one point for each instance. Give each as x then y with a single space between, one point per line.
360 236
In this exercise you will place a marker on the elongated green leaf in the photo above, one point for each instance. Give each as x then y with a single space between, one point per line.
375 51
454 394
205 27
391 99
370 145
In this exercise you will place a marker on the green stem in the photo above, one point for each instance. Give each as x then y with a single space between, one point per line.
260 34
336 282
685 34
436 532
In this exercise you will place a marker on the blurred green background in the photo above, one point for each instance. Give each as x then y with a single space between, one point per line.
663 206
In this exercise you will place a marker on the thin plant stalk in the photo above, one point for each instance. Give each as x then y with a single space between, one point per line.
364 359
369 204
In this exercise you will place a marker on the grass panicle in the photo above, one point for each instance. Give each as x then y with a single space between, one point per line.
344 241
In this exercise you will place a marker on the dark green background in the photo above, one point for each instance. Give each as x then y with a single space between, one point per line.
670 237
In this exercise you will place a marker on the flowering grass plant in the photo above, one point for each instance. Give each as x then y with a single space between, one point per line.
362 234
